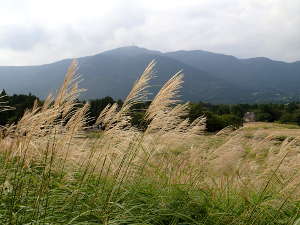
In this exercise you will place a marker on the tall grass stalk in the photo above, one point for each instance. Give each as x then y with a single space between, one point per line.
169 174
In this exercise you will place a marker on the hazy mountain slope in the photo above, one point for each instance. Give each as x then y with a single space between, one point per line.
267 78
35 79
208 76
113 73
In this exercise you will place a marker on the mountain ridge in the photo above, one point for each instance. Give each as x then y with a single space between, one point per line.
210 77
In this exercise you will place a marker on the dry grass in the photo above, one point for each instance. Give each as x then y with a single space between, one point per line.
257 158
251 152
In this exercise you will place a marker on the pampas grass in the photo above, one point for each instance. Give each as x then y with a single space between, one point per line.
173 173
166 97
3 104
139 92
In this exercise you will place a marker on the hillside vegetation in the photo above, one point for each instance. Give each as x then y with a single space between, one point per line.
54 172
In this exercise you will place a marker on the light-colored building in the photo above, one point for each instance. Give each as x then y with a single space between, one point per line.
249 117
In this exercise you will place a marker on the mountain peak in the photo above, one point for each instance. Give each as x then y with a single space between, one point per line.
131 51
258 60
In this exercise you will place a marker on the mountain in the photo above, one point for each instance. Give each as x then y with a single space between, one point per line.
209 77
269 80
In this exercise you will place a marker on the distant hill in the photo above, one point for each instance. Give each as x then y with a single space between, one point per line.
209 77
269 80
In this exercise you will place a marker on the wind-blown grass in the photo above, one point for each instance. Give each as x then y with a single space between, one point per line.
170 174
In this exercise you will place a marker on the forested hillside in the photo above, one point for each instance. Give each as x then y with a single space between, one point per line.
209 77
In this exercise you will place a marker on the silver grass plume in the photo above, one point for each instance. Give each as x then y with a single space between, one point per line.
111 117
169 120
166 97
103 114
139 93
3 105
198 126
41 120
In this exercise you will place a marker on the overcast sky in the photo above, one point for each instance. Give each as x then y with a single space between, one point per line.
42 31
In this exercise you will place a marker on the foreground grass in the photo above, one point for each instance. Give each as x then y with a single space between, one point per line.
50 173
36 195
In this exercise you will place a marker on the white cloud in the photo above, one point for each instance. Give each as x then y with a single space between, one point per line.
35 31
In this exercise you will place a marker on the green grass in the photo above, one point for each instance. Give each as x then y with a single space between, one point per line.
268 125
47 191
37 195
49 174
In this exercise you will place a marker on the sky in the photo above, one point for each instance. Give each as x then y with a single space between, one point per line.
34 32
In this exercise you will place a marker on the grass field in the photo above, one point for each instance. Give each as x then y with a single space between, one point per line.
54 171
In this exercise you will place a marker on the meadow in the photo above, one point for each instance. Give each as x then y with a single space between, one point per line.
55 170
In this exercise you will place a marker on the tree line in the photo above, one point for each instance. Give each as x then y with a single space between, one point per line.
218 115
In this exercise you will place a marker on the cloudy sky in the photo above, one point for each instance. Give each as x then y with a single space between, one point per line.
42 31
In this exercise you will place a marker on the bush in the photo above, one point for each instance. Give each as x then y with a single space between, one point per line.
215 122
287 118
231 120
264 117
